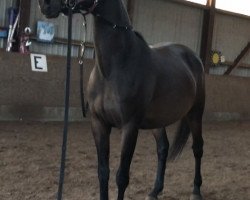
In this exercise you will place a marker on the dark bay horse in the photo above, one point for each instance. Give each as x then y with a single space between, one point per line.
133 86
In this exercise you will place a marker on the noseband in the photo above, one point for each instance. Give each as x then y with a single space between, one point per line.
74 3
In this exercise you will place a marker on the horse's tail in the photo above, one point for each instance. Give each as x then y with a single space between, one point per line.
180 140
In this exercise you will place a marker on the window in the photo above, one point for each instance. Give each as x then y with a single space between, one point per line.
203 2
236 6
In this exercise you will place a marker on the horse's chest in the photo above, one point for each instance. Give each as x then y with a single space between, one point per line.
113 107
106 105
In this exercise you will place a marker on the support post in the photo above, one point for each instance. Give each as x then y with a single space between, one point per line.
207 33
25 6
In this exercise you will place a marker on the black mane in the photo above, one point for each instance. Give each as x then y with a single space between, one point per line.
139 35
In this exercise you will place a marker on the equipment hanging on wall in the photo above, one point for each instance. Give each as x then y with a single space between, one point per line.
217 58
3 33
45 31
13 21
25 41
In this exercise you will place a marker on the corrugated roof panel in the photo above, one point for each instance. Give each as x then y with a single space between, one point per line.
163 21
231 35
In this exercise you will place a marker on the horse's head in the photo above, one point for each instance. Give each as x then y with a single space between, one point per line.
52 8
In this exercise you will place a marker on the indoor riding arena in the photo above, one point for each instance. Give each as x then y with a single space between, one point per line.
33 59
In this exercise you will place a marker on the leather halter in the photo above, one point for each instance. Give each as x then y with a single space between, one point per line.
74 3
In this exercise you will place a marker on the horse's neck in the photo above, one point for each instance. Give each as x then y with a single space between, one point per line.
114 11
110 43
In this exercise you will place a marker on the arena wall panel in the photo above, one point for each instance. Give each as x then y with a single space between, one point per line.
37 96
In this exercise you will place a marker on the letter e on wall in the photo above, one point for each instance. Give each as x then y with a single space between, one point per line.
38 63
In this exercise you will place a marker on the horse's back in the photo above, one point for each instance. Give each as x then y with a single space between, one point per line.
181 52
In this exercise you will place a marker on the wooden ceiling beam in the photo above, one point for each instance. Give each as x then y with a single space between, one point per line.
238 60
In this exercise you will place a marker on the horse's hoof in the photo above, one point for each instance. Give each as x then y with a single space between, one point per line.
196 197
151 198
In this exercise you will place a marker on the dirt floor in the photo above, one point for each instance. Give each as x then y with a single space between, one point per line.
30 153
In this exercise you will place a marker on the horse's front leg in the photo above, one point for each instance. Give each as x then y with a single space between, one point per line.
101 133
129 138
162 152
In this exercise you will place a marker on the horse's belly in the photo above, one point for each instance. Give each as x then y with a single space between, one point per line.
163 112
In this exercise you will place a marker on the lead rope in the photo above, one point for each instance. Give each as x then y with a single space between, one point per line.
80 60
66 111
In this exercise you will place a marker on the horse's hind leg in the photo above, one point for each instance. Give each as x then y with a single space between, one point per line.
195 123
162 152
